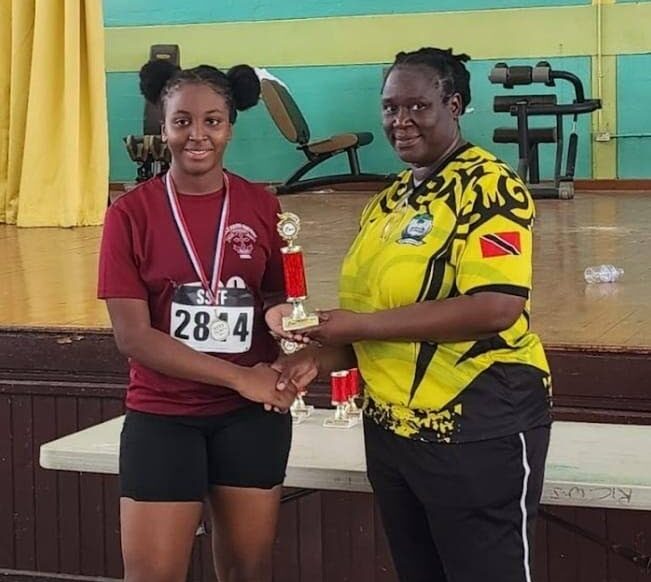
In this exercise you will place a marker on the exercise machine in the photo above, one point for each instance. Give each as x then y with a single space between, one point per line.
523 107
148 150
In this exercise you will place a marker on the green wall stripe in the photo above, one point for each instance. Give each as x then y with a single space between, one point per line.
532 32
139 12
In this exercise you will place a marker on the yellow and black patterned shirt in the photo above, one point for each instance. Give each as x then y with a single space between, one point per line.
464 230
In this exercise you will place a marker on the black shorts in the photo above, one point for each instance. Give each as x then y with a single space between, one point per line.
179 458
462 512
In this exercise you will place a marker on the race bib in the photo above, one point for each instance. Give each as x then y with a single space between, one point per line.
225 328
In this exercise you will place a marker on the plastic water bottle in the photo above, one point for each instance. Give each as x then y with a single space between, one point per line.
603 274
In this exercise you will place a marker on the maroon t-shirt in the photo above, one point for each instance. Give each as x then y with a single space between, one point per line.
142 257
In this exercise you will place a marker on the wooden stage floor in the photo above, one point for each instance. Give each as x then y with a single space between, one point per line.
47 276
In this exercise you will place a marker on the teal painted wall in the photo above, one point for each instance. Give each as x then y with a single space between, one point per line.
634 116
146 12
335 100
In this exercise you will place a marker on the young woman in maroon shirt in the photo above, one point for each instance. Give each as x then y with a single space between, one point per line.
188 262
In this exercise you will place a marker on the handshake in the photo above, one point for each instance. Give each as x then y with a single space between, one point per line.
276 385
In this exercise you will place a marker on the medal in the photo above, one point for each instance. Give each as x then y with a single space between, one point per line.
289 347
188 244
219 330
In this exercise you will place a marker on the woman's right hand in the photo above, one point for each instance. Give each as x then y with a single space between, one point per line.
258 384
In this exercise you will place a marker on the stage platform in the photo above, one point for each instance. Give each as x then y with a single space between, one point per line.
49 275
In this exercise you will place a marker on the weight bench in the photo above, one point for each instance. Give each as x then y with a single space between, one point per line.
290 121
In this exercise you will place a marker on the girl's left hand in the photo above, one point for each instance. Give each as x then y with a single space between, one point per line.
337 327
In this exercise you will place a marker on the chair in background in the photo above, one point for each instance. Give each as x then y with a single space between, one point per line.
290 121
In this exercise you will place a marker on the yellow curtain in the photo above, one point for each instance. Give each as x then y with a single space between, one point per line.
53 128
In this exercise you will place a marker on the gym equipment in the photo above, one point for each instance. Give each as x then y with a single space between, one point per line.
290 121
522 107
148 150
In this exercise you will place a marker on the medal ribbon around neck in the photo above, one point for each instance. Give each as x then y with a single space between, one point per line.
179 221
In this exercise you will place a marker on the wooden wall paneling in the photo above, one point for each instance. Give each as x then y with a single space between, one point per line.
78 354
310 528
91 500
631 529
562 552
286 563
336 508
384 569
333 530
45 487
112 550
539 551
617 375
112 407
24 536
581 414
69 543
7 527
362 537
592 558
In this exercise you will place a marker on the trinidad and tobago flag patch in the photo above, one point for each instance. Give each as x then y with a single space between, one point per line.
500 244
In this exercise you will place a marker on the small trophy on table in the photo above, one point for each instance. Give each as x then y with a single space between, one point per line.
353 382
342 390
289 225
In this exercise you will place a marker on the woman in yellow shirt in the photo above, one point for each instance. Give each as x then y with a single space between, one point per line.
435 310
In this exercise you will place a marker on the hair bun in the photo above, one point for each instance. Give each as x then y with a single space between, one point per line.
245 86
153 77
461 57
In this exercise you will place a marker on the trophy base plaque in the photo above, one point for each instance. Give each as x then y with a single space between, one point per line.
297 419
340 419
340 422
292 324
300 410
353 411
300 415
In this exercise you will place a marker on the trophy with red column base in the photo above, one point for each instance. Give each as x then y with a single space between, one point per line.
352 385
340 394
289 225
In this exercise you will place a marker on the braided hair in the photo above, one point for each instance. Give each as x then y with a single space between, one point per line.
450 69
240 86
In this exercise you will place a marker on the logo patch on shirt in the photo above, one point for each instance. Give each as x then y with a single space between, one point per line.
242 238
417 229
500 244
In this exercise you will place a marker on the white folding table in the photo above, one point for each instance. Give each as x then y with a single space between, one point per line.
590 465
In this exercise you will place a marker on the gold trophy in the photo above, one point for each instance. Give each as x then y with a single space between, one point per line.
289 225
